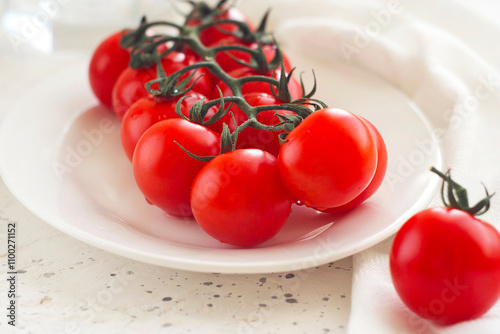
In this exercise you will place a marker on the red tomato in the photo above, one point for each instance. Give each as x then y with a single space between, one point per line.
377 178
163 171
239 199
328 159
150 110
108 62
130 85
228 64
445 265
257 86
253 138
216 32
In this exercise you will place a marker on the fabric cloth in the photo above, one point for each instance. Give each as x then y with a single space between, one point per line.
445 56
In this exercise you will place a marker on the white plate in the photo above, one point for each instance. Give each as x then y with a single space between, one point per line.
60 155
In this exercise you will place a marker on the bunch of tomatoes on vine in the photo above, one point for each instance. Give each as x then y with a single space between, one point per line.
217 126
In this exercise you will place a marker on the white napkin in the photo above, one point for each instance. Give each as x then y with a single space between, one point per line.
445 55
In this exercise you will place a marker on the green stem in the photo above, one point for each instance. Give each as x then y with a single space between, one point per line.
456 196
162 23
300 110
145 50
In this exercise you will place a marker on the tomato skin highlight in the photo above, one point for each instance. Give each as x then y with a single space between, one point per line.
328 159
130 87
163 171
108 61
445 265
239 199
377 179
150 110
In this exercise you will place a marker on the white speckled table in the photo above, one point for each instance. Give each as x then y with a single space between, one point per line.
67 286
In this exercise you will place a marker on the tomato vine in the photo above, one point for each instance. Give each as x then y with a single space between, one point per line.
146 50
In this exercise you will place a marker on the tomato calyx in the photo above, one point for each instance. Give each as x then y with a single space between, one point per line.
171 86
227 144
203 12
455 196
289 122
143 46
283 93
131 38
197 113
307 96
146 54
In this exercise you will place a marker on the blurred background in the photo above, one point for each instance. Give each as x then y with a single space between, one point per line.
48 26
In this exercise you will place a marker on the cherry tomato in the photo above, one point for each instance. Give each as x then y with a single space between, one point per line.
258 86
150 110
130 85
377 178
328 159
217 32
163 171
239 199
262 139
228 64
445 265
108 61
